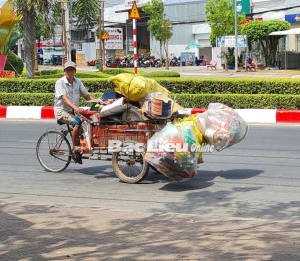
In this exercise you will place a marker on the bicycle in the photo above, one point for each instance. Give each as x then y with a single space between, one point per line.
54 151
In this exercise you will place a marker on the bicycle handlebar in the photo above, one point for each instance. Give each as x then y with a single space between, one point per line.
80 116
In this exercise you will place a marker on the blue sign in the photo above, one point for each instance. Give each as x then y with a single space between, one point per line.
292 18
187 57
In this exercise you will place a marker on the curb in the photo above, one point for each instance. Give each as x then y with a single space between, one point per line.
249 115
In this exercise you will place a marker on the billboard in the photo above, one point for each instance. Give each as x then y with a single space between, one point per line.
187 57
115 40
229 41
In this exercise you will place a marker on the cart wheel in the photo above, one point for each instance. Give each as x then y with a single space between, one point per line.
132 114
129 163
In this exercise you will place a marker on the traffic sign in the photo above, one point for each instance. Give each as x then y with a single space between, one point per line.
104 36
134 12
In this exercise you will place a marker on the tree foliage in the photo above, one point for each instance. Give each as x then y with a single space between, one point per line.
29 10
86 13
220 17
41 16
259 31
158 25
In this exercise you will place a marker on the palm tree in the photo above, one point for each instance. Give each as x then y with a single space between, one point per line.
29 10
86 11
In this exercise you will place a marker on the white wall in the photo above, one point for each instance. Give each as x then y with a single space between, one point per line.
89 49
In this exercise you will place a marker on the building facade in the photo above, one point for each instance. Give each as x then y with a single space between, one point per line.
188 20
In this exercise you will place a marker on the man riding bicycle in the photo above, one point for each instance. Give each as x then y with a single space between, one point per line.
68 90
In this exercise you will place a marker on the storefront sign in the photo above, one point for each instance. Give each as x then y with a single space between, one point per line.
115 40
187 57
292 18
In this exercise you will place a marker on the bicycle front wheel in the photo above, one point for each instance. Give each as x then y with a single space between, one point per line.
53 151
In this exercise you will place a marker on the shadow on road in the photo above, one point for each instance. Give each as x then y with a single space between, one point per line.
39 233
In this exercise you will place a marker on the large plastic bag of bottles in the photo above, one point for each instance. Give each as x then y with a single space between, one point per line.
135 87
221 126
173 150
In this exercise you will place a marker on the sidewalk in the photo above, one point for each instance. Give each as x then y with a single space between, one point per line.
38 233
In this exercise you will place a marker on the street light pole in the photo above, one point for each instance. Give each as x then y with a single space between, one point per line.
100 40
236 37
64 36
167 27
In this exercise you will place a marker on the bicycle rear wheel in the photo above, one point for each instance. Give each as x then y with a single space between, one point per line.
53 151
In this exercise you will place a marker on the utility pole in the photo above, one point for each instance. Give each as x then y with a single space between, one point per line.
65 22
64 37
101 2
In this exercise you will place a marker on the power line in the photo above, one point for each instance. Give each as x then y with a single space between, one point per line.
275 10
251 14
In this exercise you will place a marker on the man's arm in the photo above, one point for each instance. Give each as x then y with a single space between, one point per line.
89 97
67 101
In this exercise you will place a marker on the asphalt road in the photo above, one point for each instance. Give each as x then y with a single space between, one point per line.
257 178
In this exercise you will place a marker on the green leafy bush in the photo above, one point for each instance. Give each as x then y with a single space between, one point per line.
237 101
197 93
80 75
51 72
175 85
115 71
14 63
163 74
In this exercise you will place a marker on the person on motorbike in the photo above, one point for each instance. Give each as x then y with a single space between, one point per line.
249 63
68 90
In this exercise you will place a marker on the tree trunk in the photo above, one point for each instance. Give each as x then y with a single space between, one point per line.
160 50
29 39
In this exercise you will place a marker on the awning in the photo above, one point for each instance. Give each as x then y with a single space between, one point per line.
286 32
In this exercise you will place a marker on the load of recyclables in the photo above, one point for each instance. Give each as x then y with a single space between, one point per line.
175 150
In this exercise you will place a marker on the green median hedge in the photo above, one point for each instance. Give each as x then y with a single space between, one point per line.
188 92
180 85
241 101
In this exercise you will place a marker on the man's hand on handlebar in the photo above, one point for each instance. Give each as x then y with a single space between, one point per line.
80 110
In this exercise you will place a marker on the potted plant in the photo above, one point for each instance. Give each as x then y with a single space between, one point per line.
230 58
